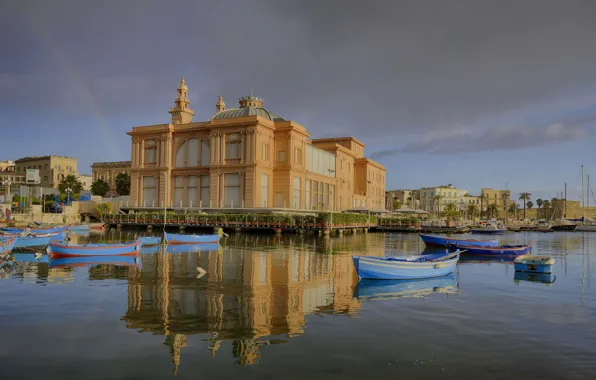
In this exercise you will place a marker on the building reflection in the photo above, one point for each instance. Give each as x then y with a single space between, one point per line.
256 287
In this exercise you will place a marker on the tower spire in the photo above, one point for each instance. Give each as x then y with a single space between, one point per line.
221 105
181 112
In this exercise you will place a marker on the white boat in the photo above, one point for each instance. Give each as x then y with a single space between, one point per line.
586 226
544 226
534 264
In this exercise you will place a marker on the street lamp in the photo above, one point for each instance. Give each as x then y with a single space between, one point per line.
68 191
6 183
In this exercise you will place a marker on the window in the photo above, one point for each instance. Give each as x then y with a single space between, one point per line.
188 153
232 190
326 195
233 145
150 152
265 152
178 190
320 194
332 196
297 155
192 190
149 190
307 197
315 190
281 156
205 190
296 203
264 189
205 153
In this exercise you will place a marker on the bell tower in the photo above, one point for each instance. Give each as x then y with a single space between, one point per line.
181 112
220 106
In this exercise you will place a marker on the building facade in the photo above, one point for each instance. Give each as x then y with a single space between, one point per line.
108 171
52 169
86 181
500 198
407 198
248 157
433 199
9 180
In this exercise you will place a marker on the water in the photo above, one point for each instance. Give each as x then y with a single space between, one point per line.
284 308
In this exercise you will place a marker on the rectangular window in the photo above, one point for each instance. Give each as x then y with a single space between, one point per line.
265 152
281 156
193 152
320 194
192 190
297 192
232 150
205 154
297 155
264 189
315 190
149 190
150 152
205 190
326 195
307 197
178 190
332 197
232 190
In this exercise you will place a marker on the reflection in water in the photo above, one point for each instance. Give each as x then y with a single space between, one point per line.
392 289
546 278
245 296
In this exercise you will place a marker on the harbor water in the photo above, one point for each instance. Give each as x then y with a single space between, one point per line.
291 307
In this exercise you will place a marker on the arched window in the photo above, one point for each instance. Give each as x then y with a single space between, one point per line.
192 153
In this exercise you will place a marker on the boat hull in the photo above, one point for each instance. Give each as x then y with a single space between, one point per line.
570 227
504 250
488 232
383 268
60 249
581 228
39 231
191 239
38 241
546 278
391 289
534 264
437 241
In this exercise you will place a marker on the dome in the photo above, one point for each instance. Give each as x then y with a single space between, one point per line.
246 111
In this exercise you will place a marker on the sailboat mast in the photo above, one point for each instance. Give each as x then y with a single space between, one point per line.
588 197
583 204
565 211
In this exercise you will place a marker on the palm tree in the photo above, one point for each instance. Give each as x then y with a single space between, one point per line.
71 185
539 203
530 204
545 205
472 211
99 187
524 197
123 184
513 210
450 212
492 210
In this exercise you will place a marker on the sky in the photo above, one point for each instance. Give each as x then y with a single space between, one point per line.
471 93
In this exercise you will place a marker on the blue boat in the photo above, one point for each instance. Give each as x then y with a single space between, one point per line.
506 250
79 228
150 240
42 230
7 244
534 264
191 239
182 248
61 249
546 278
65 262
438 241
41 240
407 268
391 289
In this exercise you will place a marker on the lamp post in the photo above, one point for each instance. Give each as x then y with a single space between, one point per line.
6 183
68 191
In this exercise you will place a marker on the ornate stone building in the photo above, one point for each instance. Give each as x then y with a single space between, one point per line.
108 171
248 157
52 169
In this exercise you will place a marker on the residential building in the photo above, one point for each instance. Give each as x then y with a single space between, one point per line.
6 165
501 198
248 157
86 180
408 198
9 179
433 199
108 171
52 169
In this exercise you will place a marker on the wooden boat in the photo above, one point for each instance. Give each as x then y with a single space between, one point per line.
191 239
534 264
7 244
392 289
545 278
563 225
150 240
60 249
394 268
69 262
40 230
38 240
507 250
438 241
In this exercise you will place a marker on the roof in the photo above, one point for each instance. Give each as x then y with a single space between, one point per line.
112 163
35 158
246 111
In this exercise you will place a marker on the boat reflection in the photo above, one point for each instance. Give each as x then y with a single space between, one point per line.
393 289
545 278
483 259
70 262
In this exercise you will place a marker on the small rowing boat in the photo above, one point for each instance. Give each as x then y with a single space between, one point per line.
191 239
38 240
407 268
438 241
150 240
61 249
534 264
40 230
506 250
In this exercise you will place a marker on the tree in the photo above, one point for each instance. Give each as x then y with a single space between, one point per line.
525 197
539 203
545 206
450 212
530 204
72 184
123 184
492 210
99 187
472 211
513 210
